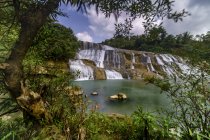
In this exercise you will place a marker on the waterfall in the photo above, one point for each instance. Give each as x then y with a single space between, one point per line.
99 54
132 61
112 74
112 59
185 68
166 58
92 53
159 61
95 55
81 71
108 60
169 71
148 63
167 63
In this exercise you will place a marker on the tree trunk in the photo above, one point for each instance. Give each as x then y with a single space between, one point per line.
14 71
31 21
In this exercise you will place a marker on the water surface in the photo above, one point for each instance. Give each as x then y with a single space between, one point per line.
138 92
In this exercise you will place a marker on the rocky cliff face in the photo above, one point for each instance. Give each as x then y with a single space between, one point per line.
96 61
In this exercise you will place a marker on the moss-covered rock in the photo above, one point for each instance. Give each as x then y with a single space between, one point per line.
89 62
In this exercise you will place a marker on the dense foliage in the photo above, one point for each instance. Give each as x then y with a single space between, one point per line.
7 39
55 42
157 40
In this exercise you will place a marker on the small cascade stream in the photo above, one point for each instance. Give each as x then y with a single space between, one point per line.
148 63
112 74
133 61
81 71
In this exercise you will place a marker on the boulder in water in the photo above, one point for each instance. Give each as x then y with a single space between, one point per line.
94 93
119 96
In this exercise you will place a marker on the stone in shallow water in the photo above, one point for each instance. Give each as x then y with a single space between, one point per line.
119 96
94 93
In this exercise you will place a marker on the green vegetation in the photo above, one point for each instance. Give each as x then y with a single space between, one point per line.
190 98
55 42
157 40
50 107
7 39
50 51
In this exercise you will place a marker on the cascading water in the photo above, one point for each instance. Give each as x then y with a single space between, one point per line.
112 74
95 55
133 61
112 59
108 60
148 63
169 63
159 61
82 72
93 52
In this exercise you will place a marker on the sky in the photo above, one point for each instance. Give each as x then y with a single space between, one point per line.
94 27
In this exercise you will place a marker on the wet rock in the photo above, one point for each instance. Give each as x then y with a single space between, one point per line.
94 93
119 96
99 74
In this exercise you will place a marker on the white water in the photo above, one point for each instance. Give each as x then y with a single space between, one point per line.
133 61
159 61
110 58
151 68
95 55
133 58
166 58
81 71
168 62
112 74
149 65
169 71
116 60
105 47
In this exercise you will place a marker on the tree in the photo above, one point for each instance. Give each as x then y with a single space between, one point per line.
156 34
31 15
190 100
206 38
55 42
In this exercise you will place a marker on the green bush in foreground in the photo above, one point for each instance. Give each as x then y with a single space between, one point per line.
93 126
189 118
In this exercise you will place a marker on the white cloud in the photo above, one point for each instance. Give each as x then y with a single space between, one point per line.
197 23
84 36
105 27
99 25
138 26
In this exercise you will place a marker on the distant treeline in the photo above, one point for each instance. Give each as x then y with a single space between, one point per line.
158 40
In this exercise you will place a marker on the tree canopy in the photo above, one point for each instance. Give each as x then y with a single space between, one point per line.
55 42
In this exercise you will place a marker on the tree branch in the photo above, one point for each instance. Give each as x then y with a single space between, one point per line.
3 66
13 110
7 31
16 5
